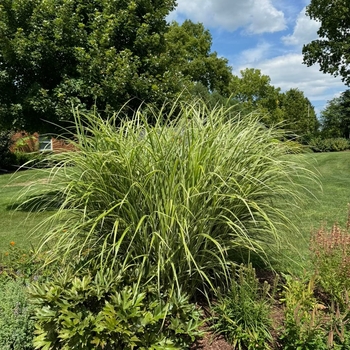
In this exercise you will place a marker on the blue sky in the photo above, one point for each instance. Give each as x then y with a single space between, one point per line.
266 35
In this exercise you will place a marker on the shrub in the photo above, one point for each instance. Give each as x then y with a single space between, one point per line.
309 323
32 159
180 196
26 144
243 314
304 325
330 252
101 312
329 145
16 325
330 255
7 159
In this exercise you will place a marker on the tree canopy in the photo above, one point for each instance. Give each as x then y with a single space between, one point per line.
255 92
54 53
189 52
335 118
331 51
290 109
299 114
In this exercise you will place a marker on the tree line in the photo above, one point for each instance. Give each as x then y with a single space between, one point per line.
55 54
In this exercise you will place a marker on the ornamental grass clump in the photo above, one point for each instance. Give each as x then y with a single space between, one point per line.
176 199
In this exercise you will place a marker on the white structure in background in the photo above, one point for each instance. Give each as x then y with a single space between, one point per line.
45 143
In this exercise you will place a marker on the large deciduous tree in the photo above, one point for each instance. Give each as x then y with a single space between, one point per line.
256 94
332 50
57 52
299 113
189 52
335 118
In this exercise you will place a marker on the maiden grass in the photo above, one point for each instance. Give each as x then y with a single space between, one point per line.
176 199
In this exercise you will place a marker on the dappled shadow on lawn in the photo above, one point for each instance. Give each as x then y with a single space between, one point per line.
49 201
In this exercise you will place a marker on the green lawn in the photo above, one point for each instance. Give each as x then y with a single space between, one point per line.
329 206
326 205
17 225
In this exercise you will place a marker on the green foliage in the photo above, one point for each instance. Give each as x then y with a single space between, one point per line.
299 114
338 326
26 144
243 313
330 253
317 309
318 144
31 160
7 159
304 327
17 261
181 198
255 94
251 87
335 120
24 263
54 53
188 52
290 110
16 325
100 312
330 51
308 323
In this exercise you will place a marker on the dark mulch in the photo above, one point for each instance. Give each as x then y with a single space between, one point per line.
210 342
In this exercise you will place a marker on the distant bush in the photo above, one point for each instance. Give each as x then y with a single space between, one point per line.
329 145
28 158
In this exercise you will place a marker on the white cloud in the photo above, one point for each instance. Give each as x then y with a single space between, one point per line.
287 71
254 16
305 30
275 55
255 54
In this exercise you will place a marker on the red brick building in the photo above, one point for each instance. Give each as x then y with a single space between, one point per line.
25 142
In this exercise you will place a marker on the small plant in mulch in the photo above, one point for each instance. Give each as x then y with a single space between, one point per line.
242 315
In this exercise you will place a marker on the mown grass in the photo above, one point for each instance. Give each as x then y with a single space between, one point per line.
16 225
331 202
322 206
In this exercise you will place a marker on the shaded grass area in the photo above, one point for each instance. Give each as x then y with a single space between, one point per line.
17 225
